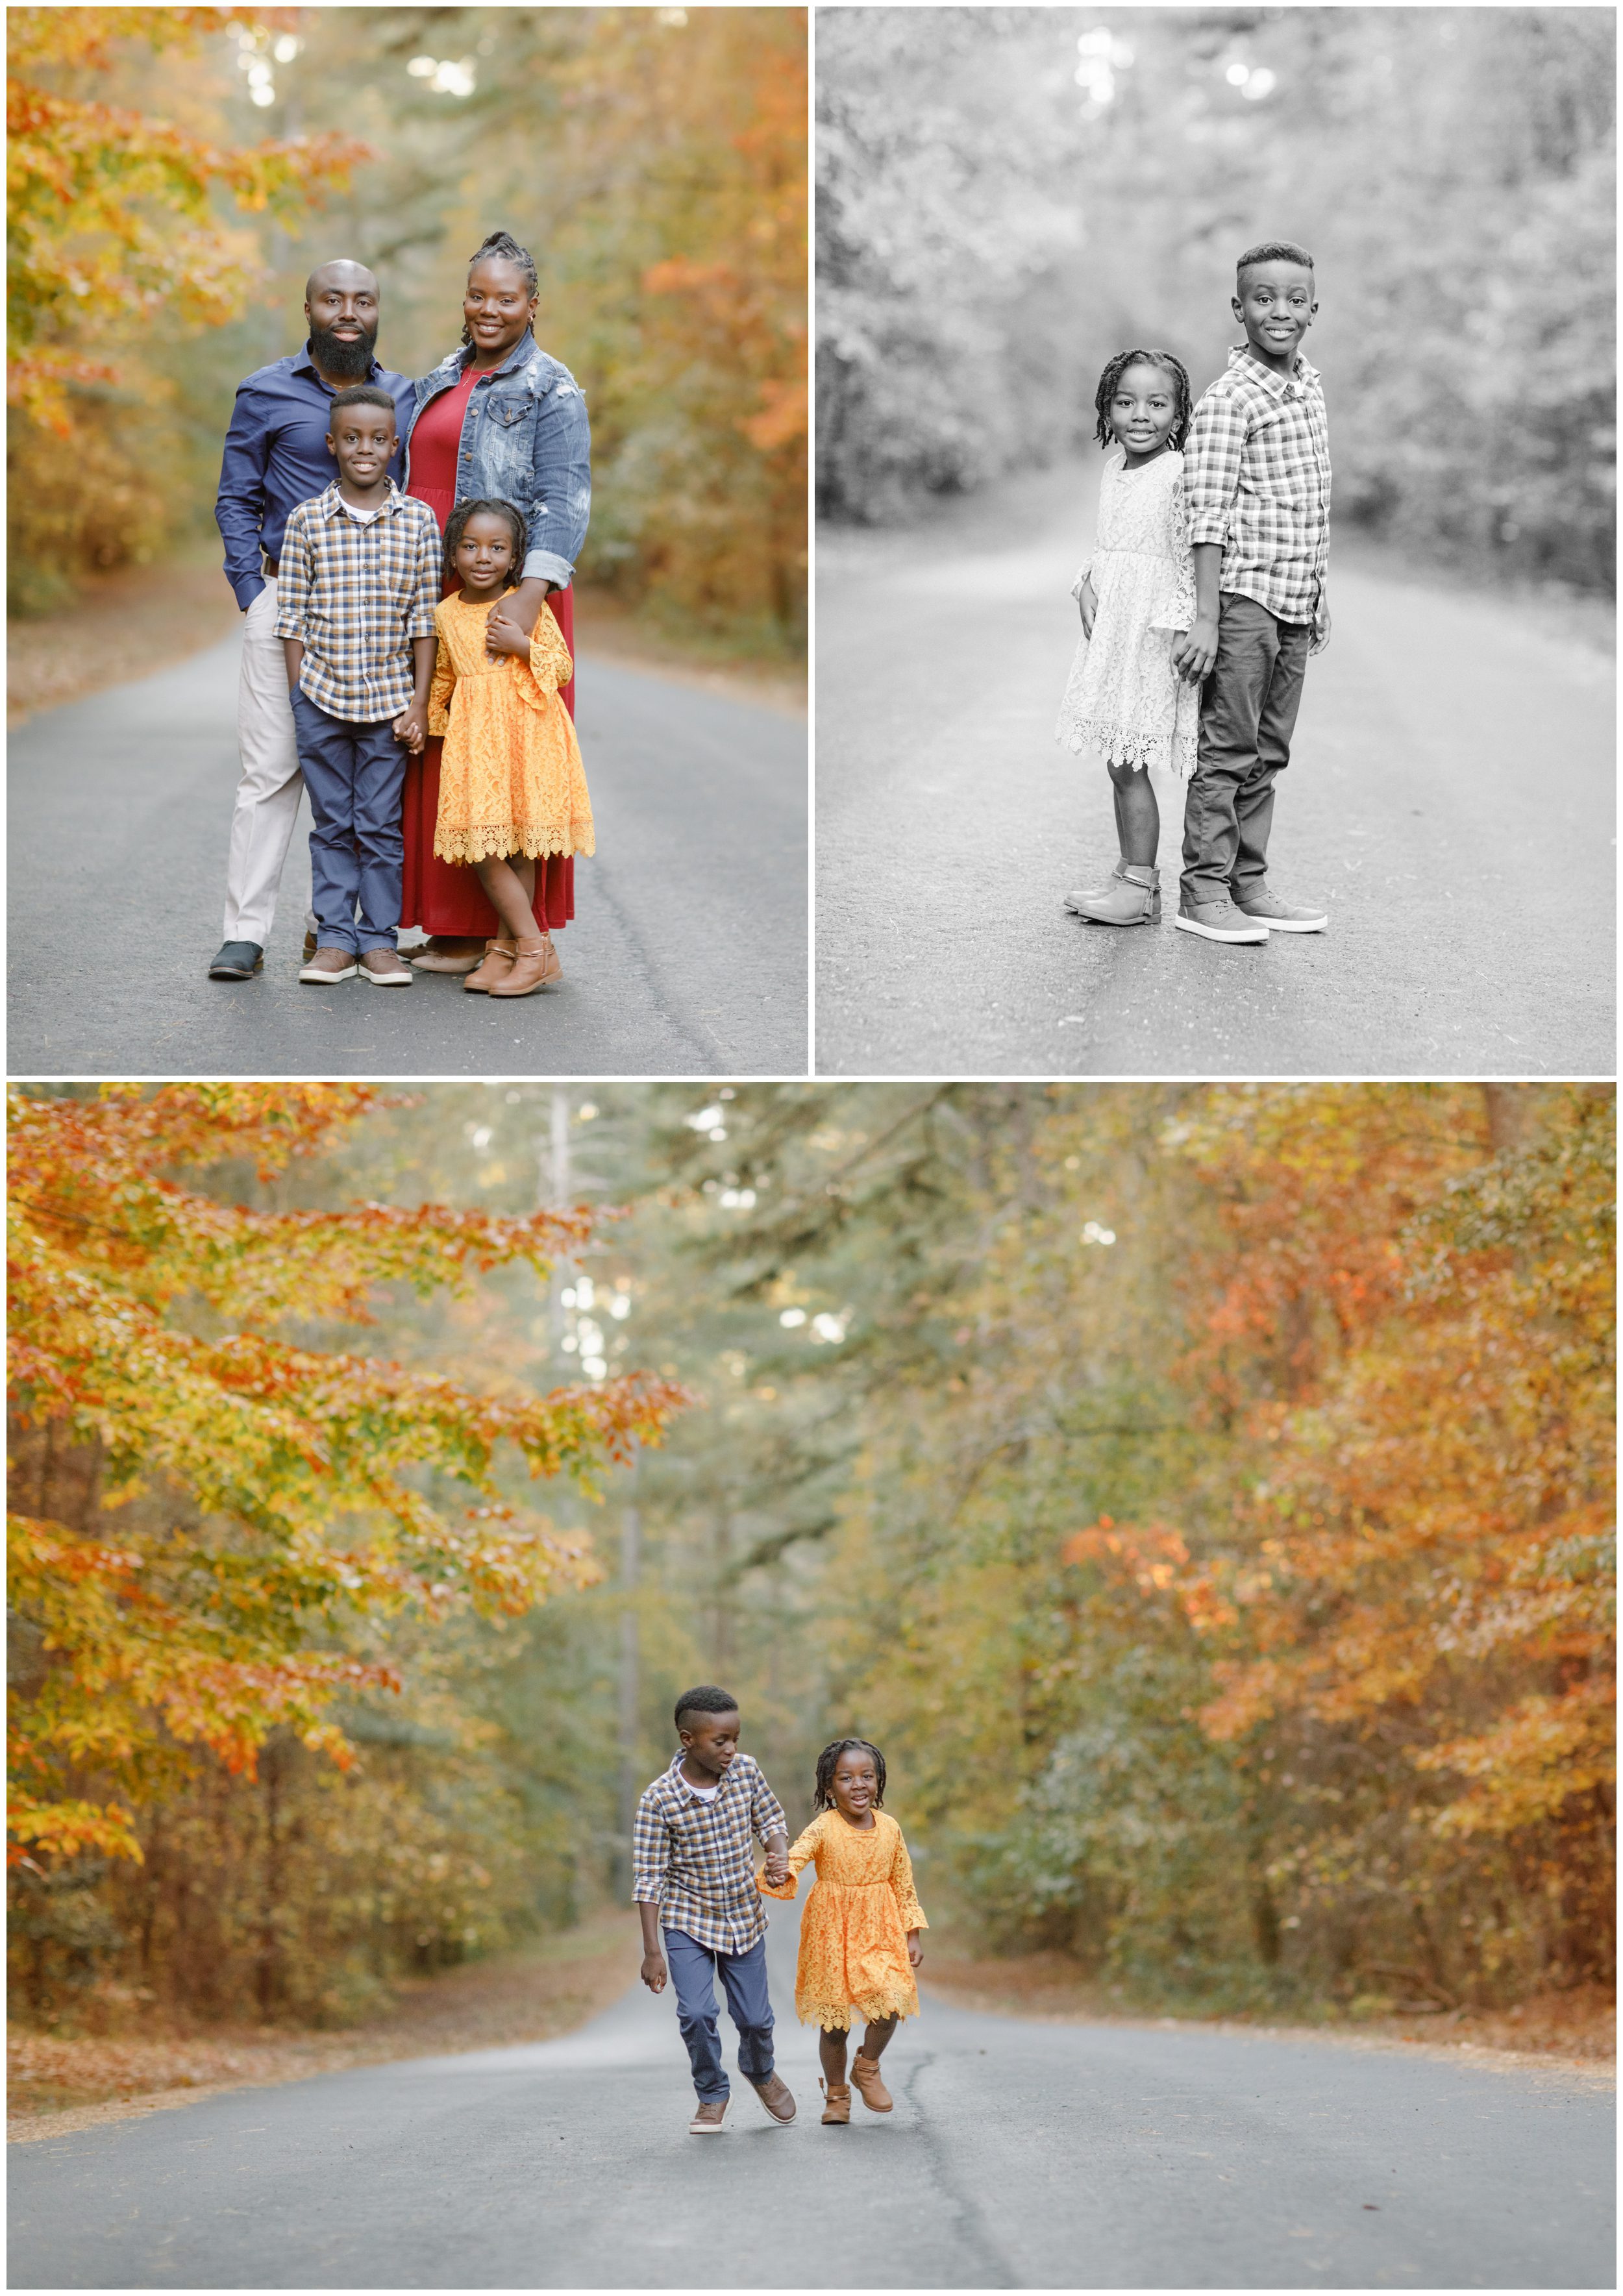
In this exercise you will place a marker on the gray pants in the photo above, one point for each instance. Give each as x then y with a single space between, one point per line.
1247 715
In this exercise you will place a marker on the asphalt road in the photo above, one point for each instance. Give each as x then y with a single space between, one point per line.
1450 798
686 957
1019 2154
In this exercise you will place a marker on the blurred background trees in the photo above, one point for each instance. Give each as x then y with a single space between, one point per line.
653 161
1201 1492
1008 195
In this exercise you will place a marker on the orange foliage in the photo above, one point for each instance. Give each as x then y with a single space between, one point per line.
111 213
297 1491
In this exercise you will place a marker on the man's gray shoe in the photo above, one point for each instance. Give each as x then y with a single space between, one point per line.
239 960
1219 921
1282 917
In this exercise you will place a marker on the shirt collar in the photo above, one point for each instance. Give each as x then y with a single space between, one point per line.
674 1774
303 363
331 504
1275 385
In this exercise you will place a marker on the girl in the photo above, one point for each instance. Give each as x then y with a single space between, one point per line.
859 1932
1136 593
511 787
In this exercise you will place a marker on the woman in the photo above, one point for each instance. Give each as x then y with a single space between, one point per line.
497 419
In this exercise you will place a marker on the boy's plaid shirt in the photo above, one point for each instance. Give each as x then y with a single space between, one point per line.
357 595
693 1859
1257 479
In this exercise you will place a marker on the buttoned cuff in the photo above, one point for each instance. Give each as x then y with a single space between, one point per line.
546 566
245 588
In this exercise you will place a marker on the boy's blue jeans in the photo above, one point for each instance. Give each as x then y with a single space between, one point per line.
743 1976
1247 715
354 774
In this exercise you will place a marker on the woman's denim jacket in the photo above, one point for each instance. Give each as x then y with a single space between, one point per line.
525 440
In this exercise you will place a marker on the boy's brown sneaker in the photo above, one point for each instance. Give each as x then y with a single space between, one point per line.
874 2095
707 2117
330 964
775 2095
1281 917
837 2111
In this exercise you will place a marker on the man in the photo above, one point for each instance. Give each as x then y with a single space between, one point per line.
276 456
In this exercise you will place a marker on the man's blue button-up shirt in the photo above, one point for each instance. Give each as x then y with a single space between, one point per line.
276 457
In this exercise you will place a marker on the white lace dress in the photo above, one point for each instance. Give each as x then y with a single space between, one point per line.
1123 697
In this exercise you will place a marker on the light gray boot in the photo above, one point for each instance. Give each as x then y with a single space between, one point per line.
1132 896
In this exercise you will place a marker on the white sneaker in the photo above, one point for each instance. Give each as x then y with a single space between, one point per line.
317 971
384 970
1220 921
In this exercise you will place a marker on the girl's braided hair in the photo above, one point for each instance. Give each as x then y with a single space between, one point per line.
1112 375
504 244
456 525
823 1798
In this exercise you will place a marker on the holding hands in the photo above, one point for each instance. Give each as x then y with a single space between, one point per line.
411 727
504 635
1196 651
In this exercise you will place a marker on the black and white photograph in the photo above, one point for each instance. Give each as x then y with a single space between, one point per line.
1203 393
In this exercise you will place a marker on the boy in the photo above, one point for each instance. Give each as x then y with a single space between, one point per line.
359 583
1256 483
694 1876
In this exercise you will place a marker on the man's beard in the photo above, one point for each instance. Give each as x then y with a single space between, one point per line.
339 359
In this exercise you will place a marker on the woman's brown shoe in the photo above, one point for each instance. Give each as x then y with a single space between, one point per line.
875 2095
495 965
535 965
837 2111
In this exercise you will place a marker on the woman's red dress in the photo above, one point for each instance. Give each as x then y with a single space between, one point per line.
446 897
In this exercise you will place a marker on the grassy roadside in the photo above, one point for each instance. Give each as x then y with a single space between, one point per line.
147 617
1575 2028
59 2084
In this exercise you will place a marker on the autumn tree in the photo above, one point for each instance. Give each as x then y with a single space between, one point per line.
114 228
215 1518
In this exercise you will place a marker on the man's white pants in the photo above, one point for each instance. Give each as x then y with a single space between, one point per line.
271 785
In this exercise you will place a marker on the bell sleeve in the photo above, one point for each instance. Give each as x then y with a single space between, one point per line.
1176 609
440 693
550 665
901 1882
803 1852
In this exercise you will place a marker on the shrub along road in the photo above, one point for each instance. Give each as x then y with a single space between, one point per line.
687 955
1450 798
1019 2154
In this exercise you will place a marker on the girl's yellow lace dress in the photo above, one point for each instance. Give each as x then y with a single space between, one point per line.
854 1925
510 779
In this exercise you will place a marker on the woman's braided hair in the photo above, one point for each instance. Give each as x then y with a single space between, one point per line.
504 244
456 525
1112 375
823 1798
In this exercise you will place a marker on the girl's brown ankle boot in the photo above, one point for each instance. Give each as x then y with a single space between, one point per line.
495 965
874 2095
837 2111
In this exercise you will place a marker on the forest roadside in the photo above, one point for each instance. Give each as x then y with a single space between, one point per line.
1575 2028
59 2082
147 617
